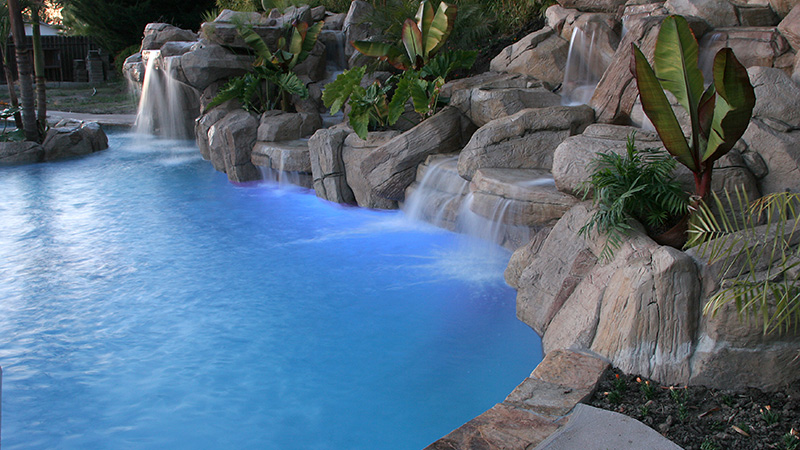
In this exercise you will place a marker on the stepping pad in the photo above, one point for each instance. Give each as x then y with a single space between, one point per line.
286 156
519 196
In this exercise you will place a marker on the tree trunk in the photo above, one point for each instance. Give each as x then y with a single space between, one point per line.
24 71
38 66
12 91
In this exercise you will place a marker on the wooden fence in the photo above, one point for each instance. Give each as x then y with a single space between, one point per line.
60 54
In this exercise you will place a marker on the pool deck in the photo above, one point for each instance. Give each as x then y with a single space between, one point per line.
543 413
106 120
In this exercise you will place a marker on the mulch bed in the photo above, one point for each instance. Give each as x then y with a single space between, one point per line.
700 418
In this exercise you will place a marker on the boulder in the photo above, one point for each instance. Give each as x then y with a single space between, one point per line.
318 13
327 165
573 156
490 80
616 92
354 151
518 197
334 21
639 309
73 138
277 125
313 67
634 12
175 48
356 25
202 126
758 46
134 68
526 139
207 63
606 6
796 69
231 141
285 156
783 7
777 97
390 168
482 105
242 17
157 34
756 15
732 351
781 154
23 152
541 54
790 28
227 34
718 13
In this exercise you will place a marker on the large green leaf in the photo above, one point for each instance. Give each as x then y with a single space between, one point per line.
254 41
734 106
424 18
291 83
659 110
412 41
675 63
339 90
385 52
311 37
441 27
402 92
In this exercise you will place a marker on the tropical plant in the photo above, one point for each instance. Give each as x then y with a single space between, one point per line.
637 185
719 114
369 107
421 38
272 82
760 263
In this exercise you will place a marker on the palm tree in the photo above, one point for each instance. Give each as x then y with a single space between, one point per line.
5 30
24 71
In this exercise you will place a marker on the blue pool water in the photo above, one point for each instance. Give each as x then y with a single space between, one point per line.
147 303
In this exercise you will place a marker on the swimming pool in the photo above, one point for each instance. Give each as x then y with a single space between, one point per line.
146 303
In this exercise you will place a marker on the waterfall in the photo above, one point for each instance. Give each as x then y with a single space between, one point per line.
335 63
163 108
444 199
584 68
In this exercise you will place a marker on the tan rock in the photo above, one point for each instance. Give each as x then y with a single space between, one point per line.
607 6
231 140
483 105
525 140
717 13
327 166
285 156
354 151
790 28
780 152
541 54
570 368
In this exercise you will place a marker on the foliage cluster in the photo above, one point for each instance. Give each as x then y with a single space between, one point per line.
719 114
272 83
424 69
637 185
762 262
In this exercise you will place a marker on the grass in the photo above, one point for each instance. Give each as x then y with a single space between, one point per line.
108 98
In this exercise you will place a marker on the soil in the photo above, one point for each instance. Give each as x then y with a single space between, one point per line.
699 418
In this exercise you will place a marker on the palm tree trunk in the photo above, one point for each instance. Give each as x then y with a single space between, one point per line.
12 91
38 66
24 71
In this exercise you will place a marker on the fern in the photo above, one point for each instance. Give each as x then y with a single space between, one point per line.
638 185
761 262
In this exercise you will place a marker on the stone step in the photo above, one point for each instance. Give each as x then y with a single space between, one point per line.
286 156
518 197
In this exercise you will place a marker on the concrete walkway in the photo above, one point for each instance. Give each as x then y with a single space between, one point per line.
114 120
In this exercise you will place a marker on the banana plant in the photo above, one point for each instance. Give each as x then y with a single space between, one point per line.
422 37
719 114
272 82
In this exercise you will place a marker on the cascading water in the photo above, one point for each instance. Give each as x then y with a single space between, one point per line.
162 107
584 68
444 199
335 63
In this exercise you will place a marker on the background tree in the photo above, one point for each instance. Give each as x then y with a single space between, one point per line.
117 24
5 32
24 71
35 7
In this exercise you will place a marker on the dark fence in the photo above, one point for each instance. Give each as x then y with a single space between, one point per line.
65 57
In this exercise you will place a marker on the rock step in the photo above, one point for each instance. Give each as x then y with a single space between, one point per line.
518 197
286 156
440 173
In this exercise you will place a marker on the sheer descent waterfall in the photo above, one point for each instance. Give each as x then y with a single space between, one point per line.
163 110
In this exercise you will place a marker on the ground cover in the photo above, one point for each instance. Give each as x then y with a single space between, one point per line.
699 418
108 98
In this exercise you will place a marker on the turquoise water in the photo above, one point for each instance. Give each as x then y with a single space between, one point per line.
148 303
